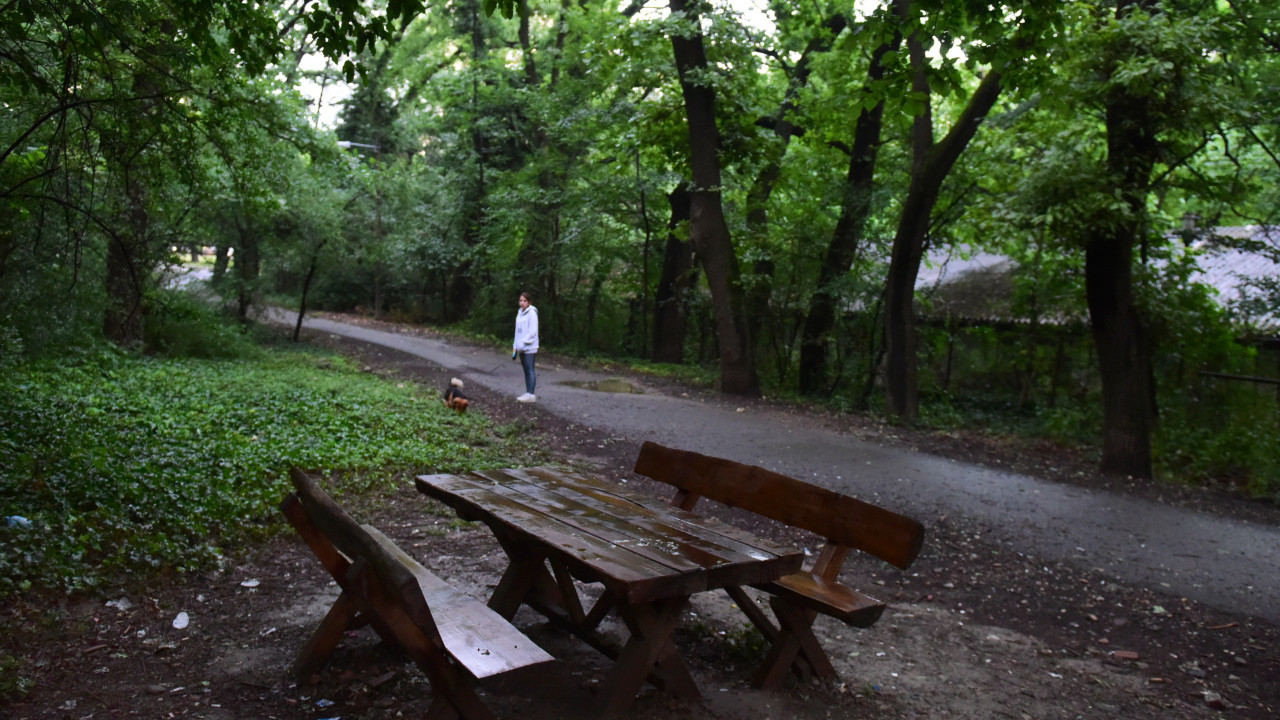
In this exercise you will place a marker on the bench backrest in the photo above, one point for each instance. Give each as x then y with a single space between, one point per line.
359 564
842 520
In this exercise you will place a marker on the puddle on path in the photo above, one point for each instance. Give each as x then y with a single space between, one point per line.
612 385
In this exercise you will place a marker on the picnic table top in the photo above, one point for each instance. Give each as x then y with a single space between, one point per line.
638 547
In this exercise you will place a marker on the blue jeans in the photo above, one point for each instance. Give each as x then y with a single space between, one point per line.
530 377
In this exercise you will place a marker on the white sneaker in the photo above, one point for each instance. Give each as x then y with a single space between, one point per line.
527 397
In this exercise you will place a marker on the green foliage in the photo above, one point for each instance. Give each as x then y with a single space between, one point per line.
507 161
690 374
1211 431
181 324
1072 423
31 325
15 683
1041 381
1219 432
126 465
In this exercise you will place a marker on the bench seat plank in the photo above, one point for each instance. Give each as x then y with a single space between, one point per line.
480 639
829 598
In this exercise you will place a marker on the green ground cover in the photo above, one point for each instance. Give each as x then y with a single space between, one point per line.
125 465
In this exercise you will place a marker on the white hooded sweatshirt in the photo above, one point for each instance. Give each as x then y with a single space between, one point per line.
526 330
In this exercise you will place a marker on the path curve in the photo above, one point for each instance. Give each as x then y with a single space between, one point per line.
1232 565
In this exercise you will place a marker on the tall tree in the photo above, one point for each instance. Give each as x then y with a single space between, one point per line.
1124 351
855 209
708 230
1159 106
1001 37
1168 120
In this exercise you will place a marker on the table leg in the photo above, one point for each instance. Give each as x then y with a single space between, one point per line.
518 580
648 647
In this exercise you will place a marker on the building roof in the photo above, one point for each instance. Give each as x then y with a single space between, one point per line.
977 286
1231 270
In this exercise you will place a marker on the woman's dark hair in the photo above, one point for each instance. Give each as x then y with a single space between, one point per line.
527 296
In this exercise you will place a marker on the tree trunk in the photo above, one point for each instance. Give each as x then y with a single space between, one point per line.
460 291
377 289
221 259
854 211
246 273
930 164
379 238
708 230
128 267
598 277
1124 354
306 287
646 253
670 313
875 356
122 321
1124 357
535 262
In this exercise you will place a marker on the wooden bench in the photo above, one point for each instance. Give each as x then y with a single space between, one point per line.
456 640
845 523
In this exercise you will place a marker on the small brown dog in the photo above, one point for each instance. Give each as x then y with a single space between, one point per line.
453 396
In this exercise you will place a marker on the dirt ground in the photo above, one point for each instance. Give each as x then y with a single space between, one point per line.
975 629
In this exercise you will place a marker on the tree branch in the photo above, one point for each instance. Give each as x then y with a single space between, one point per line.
1179 162
87 213
61 109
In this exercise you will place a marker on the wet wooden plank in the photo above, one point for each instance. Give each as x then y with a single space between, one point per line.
495 505
629 576
608 528
652 530
407 605
725 530
632 525
831 598
479 638
847 521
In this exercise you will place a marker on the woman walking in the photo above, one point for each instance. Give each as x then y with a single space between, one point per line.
525 345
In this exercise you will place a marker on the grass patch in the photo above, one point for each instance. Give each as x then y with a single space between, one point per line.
15 678
128 466
695 375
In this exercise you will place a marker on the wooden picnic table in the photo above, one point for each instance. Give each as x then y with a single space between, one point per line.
648 556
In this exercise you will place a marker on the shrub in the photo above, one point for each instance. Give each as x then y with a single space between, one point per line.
181 324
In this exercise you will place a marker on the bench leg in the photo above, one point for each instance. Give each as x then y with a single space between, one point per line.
441 709
457 701
795 639
454 696
325 638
